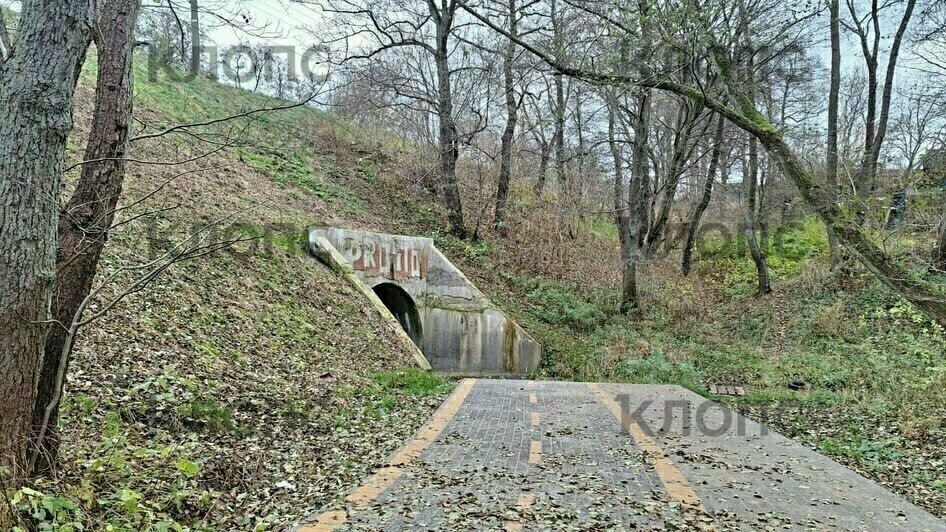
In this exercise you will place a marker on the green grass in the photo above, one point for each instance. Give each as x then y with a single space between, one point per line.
412 382
279 144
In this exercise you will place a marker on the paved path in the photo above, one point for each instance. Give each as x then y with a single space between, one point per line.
526 455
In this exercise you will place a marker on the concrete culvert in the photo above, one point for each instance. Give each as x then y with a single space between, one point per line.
403 308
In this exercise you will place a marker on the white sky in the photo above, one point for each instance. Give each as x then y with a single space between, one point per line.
285 24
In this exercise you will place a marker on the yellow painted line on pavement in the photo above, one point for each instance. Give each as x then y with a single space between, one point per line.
671 477
533 399
535 419
387 475
526 500
535 452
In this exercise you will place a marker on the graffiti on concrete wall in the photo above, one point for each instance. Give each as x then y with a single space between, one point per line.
386 258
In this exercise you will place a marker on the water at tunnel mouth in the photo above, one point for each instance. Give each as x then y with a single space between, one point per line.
402 306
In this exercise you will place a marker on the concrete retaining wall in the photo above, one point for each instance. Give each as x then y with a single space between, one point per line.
462 331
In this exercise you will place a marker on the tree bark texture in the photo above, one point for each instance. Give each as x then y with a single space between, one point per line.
751 178
448 133
37 86
512 117
630 251
834 92
88 216
195 38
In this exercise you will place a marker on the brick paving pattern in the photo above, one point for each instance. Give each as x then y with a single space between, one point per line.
526 455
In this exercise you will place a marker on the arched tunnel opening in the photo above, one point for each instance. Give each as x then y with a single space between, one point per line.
399 302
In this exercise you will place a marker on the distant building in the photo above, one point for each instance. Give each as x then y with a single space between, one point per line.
934 167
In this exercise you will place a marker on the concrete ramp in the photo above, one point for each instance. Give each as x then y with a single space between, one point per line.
456 327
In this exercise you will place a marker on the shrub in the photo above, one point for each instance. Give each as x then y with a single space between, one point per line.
412 382
656 369
557 305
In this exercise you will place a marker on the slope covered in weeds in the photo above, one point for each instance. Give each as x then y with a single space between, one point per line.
247 388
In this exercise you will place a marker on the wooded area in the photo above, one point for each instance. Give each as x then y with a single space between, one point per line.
679 123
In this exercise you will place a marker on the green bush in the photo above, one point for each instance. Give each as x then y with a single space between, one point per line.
558 305
656 369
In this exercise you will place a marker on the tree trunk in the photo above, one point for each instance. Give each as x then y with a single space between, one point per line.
195 38
545 154
559 136
84 226
512 117
751 177
630 251
37 85
449 136
701 207
686 120
833 101
875 137
578 180
620 190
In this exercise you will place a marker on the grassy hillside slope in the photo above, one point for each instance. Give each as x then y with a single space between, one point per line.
244 389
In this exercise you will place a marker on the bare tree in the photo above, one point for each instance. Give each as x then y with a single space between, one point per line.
744 113
918 126
195 37
867 28
513 103
707 194
680 149
751 169
834 90
383 27
538 117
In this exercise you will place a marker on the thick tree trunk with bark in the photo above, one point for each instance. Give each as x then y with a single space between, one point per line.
630 251
84 226
694 226
37 84
448 133
512 117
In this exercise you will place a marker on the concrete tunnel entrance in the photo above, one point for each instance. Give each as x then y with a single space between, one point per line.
399 302
455 327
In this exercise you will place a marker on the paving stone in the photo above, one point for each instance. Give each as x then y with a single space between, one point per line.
493 468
